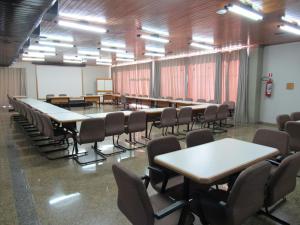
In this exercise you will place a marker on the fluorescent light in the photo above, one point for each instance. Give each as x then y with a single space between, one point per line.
154 54
58 37
290 29
86 52
72 61
153 38
113 44
89 57
103 63
124 60
41 48
104 60
203 46
72 57
126 55
58 44
38 54
93 19
82 26
155 31
63 198
251 14
113 50
155 49
290 20
208 40
33 59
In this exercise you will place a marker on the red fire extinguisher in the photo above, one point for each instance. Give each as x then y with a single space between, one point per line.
269 86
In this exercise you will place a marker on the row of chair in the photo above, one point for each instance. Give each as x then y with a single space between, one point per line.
284 118
246 196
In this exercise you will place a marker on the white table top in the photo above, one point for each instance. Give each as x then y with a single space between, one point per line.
213 161
67 117
43 106
104 114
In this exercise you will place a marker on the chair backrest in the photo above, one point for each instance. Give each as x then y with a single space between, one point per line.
283 180
295 116
160 146
88 94
179 99
210 113
123 99
168 117
293 129
169 97
212 101
231 104
248 192
49 96
114 123
47 126
133 200
137 121
185 115
188 99
281 121
62 95
199 137
272 138
222 112
39 120
201 100
92 130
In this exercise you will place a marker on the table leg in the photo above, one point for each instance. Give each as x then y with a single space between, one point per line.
186 189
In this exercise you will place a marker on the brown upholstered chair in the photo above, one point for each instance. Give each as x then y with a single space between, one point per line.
281 182
201 100
136 123
295 116
124 102
114 125
184 117
179 99
222 116
281 121
231 107
199 137
188 99
62 95
140 209
217 207
212 101
49 96
91 131
209 117
168 119
273 138
293 129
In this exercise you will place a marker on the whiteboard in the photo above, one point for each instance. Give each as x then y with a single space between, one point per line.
104 85
59 80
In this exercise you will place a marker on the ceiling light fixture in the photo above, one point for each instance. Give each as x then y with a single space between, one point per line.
38 54
291 29
155 49
72 57
154 38
154 54
79 26
289 19
86 52
208 40
113 50
104 60
103 63
57 37
124 60
41 48
72 61
113 44
93 19
246 12
155 31
57 44
126 55
203 46
33 59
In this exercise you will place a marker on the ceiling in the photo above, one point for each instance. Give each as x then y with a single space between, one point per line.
182 18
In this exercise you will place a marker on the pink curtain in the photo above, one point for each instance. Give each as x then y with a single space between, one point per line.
172 78
132 79
230 76
201 77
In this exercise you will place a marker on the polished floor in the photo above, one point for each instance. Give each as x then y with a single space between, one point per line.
34 190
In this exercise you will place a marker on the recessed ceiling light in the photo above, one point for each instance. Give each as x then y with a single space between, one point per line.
203 46
249 13
93 19
113 44
124 60
103 63
72 61
86 52
106 60
155 31
41 48
38 54
33 59
155 49
57 44
79 26
154 38
126 55
290 29
290 20
72 57
57 37
154 54
113 50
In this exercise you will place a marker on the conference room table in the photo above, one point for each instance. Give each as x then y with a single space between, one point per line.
208 163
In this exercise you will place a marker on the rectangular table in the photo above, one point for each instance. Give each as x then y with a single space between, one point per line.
213 161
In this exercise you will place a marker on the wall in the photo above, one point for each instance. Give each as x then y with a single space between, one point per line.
89 76
284 62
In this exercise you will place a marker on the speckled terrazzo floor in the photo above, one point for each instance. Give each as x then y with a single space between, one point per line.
30 185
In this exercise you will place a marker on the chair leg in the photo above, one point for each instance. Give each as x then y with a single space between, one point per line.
77 155
134 142
272 217
150 131
117 145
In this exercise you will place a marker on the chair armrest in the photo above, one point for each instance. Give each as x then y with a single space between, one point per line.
163 174
170 209
156 170
275 163
146 180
